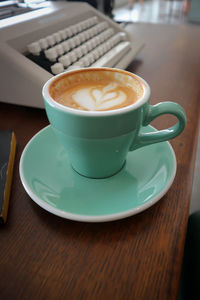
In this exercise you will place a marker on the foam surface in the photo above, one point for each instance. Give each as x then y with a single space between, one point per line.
100 98
96 90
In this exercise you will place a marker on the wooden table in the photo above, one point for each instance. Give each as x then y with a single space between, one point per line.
46 257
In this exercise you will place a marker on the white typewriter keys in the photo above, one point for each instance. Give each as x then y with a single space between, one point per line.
63 34
59 49
34 48
50 40
86 43
78 52
72 43
80 26
68 32
88 46
73 67
85 61
57 37
72 56
77 40
82 37
91 57
51 54
96 54
43 44
79 64
65 60
57 68
93 20
86 35
83 49
65 46
74 29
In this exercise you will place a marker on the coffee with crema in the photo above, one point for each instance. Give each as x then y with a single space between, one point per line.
96 90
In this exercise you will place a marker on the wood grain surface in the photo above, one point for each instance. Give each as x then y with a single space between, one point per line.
46 257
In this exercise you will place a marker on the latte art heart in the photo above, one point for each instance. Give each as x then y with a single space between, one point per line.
96 90
99 98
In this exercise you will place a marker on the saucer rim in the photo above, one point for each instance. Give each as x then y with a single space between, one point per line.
90 218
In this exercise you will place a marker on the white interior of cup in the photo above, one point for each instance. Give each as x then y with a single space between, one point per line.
63 80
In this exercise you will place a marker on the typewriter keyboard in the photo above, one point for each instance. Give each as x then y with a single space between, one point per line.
89 43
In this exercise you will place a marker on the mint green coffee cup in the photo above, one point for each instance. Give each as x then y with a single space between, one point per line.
97 142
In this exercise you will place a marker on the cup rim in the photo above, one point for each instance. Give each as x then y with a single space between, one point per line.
137 104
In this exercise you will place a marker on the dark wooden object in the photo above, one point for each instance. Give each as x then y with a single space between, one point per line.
7 157
45 257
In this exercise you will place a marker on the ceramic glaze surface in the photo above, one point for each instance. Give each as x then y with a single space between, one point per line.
50 181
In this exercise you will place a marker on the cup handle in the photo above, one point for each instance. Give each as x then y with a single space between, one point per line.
153 111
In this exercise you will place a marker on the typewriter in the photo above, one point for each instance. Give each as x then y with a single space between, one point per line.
54 37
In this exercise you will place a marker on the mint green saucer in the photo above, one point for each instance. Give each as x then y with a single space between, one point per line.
49 180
